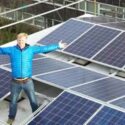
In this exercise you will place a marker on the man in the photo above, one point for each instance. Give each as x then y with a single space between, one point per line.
21 56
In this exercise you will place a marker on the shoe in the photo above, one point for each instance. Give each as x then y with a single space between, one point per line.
10 121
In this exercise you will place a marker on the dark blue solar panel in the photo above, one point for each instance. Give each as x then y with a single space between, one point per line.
4 59
46 65
114 54
91 42
67 32
68 109
5 80
108 116
71 77
120 102
106 89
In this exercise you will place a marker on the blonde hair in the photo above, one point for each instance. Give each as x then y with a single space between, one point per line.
22 35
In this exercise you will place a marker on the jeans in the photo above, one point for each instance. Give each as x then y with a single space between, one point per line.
16 88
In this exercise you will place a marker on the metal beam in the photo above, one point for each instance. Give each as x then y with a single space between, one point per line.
20 8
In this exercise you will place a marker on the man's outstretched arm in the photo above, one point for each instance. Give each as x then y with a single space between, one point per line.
49 48
5 50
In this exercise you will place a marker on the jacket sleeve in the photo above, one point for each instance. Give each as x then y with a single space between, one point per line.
5 50
45 49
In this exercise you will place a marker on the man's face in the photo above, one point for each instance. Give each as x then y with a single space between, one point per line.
21 41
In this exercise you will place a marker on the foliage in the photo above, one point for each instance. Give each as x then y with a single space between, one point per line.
9 34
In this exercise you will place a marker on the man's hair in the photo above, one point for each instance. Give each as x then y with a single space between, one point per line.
22 35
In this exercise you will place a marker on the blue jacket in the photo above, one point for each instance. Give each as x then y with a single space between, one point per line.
21 60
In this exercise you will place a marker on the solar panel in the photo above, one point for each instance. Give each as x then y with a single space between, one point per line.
120 102
106 89
4 59
91 42
69 31
67 109
5 80
114 53
46 65
108 116
71 77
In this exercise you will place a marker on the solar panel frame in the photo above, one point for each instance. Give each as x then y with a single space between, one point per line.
113 54
64 104
67 32
104 90
86 41
66 78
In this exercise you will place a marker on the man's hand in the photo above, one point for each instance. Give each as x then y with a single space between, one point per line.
62 45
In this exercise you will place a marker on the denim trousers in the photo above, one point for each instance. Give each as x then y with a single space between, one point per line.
16 89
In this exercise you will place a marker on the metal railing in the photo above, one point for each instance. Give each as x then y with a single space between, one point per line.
98 9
